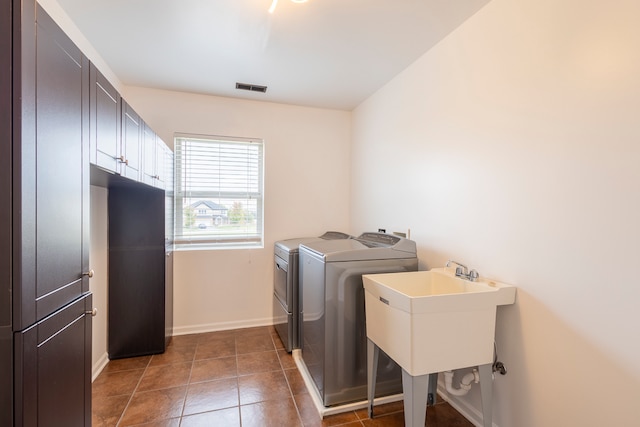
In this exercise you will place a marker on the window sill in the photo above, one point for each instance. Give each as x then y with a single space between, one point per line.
180 247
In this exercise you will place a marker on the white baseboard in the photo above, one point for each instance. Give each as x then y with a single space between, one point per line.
469 412
195 329
99 366
221 326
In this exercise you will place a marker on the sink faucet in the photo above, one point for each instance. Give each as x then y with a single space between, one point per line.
463 271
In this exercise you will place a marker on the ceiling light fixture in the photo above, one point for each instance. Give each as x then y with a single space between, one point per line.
275 2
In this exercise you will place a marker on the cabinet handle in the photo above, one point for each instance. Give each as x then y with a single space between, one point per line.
88 273
93 312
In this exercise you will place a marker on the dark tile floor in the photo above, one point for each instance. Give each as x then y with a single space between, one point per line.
232 378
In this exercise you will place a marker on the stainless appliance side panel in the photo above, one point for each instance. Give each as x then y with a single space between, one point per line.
345 338
283 323
312 334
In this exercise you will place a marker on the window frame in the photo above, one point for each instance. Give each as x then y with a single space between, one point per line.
212 241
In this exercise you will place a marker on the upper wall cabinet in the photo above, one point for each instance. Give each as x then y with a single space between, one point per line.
105 121
162 171
148 155
120 141
154 158
131 146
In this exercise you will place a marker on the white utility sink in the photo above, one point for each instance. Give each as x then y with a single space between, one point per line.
432 321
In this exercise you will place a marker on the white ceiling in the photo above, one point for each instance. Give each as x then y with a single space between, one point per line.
323 53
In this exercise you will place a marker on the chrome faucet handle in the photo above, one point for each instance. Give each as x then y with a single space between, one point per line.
461 270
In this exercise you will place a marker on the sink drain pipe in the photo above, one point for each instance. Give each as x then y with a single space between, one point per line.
465 383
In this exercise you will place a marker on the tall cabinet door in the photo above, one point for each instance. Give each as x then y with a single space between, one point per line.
51 184
53 369
161 159
130 146
148 155
6 334
105 123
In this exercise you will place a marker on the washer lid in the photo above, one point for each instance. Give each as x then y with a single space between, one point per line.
369 246
291 245
335 235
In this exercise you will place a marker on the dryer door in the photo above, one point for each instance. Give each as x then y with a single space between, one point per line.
281 279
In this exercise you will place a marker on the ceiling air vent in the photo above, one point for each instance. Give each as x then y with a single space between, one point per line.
253 88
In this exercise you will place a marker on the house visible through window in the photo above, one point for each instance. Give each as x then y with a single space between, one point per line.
219 192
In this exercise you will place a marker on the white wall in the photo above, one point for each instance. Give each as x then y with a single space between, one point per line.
306 193
99 284
513 146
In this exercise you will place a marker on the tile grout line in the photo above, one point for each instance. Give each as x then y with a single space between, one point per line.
295 404
360 420
133 393
286 378
235 348
186 392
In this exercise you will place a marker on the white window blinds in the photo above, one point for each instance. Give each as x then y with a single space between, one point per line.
219 192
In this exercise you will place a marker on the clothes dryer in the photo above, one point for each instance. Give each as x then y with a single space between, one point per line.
334 339
286 311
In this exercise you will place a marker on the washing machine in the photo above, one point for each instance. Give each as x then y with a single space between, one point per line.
286 304
333 334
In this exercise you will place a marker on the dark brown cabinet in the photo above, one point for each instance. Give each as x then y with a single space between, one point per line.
105 123
116 130
161 158
155 154
44 239
140 296
140 287
58 115
53 357
54 231
148 155
6 211
131 142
